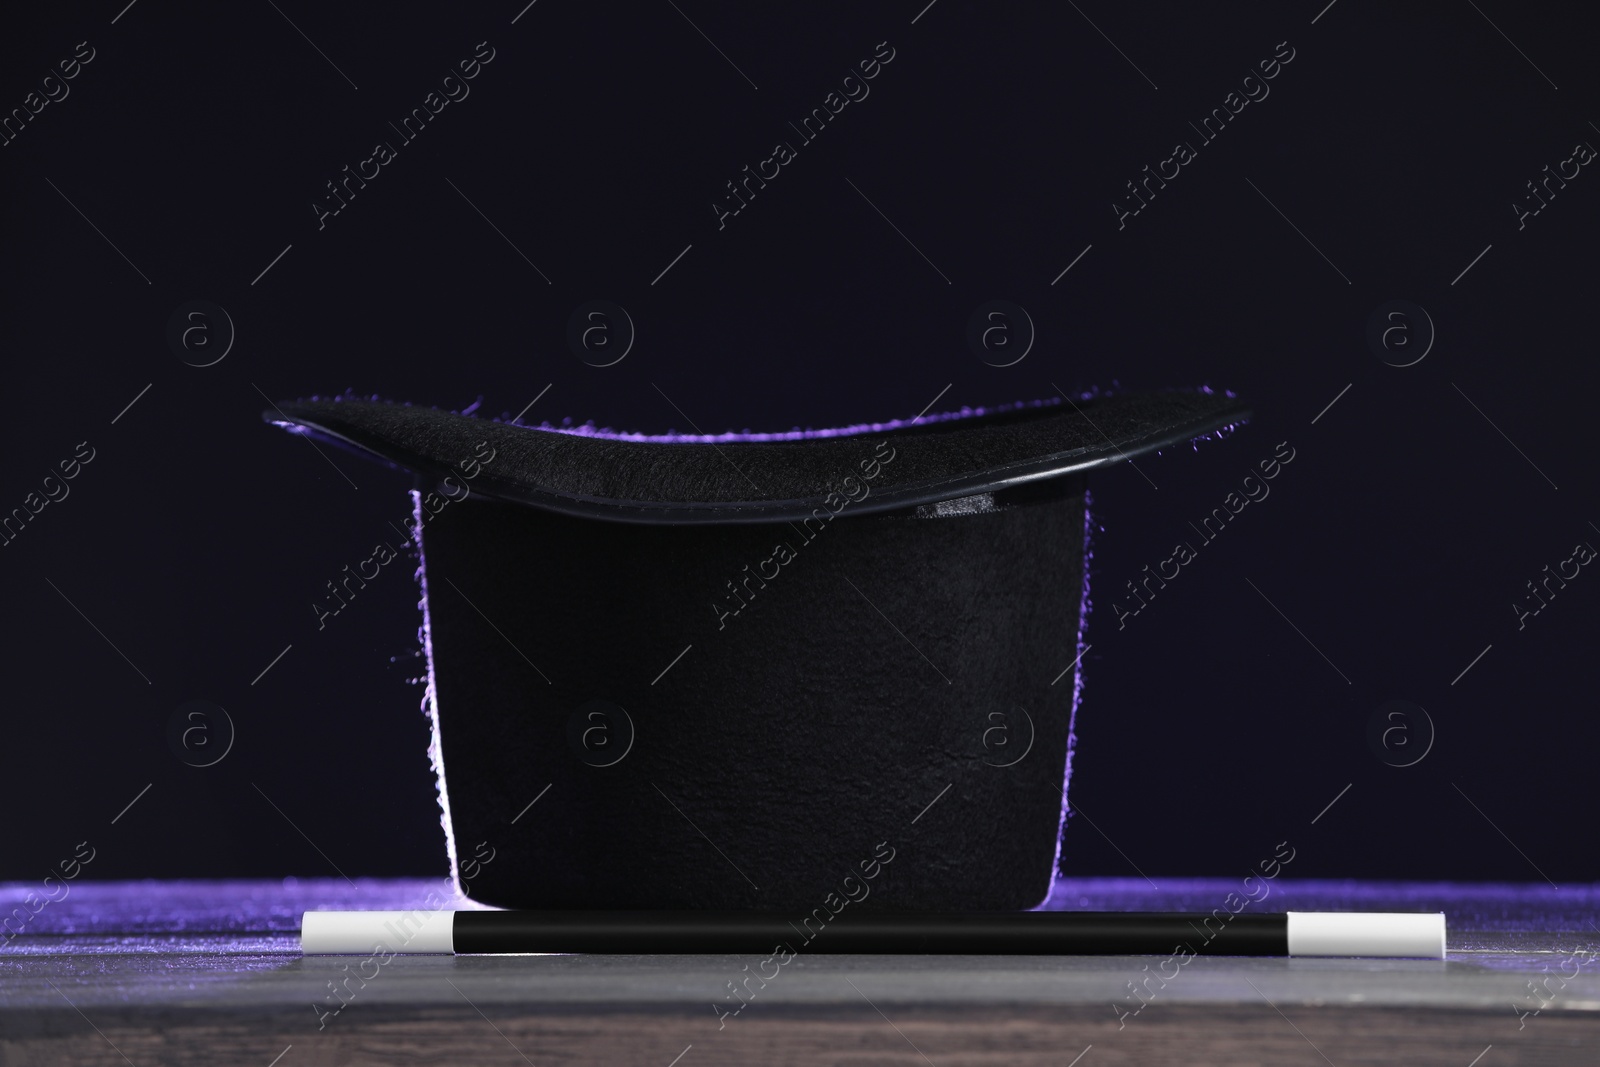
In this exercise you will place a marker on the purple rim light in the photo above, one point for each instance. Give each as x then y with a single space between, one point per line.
430 696
1084 605
589 429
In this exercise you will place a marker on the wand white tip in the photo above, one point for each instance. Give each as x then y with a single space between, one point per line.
375 933
1395 934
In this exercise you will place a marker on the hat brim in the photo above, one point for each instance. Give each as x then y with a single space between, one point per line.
748 478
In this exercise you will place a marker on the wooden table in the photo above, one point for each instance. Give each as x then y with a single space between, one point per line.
211 973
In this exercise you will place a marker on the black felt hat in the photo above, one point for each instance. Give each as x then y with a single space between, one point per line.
732 671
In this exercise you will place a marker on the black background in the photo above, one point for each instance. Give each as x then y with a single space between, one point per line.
189 551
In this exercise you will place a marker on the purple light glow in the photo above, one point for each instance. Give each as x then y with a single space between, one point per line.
239 913
430 696
588 429
1077 695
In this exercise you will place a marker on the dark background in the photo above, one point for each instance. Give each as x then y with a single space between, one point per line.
190 549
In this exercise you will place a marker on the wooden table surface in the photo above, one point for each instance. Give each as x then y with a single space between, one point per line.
211 973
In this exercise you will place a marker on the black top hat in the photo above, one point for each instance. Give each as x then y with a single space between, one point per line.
757 670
